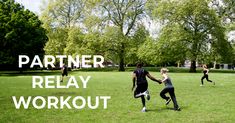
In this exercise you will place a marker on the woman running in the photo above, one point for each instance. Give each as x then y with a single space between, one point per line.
169 88
205 72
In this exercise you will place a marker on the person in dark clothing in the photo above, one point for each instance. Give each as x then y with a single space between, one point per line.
64 71
205 75
141 85
169 88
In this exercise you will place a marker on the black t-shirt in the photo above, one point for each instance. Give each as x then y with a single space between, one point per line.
65 69
205 71
141 75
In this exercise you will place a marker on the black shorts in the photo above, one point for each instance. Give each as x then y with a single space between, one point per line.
65 74
141 88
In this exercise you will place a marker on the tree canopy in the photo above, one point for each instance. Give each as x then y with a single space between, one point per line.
122 31
191 29
21 32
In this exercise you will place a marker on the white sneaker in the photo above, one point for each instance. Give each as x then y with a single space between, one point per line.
144 93
201 85
140 94
144 109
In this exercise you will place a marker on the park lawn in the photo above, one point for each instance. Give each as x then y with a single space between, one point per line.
199 104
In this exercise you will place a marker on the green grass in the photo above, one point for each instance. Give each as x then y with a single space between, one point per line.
199 104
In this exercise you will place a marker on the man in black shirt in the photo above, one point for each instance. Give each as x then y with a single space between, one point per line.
64 71
139 79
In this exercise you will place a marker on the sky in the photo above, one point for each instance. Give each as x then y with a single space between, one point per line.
32 5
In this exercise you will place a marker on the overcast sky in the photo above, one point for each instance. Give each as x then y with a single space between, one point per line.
33 5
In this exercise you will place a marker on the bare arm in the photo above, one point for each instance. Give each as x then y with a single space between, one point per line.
134 81
152 78
207 71
62 69
164 77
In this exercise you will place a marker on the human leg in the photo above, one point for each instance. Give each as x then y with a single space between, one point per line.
173 97
207 78
163 95
203 77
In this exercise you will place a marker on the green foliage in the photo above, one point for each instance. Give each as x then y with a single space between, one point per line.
113 41
108 28
148 52
170 47
122 15
191 29
21 32
56 42
137 40
75 42
63 13
226 11
60 19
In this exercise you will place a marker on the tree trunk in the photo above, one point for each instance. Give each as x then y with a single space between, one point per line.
214 66
121 64
178 64
193 66
121 59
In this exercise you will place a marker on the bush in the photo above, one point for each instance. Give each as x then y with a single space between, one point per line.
155 69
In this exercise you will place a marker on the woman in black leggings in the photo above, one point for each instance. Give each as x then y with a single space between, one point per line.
205 75
169 88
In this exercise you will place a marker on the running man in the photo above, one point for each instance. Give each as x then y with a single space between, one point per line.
169 88
205 72
139 80
64 71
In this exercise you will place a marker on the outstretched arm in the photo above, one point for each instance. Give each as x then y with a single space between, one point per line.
152 78
62 69
164 77
207 71
134 81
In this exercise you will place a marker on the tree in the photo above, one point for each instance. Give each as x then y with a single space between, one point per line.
226 11
123 15
57 39
200 26
168 48
61 18
113 39
137 40
21 32
63 13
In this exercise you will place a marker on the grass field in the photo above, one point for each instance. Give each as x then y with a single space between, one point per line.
210 104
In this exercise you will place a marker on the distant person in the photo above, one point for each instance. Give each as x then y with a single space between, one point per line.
64 71
141 84
169 88
205 75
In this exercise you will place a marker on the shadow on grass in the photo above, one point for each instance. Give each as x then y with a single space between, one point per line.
166 109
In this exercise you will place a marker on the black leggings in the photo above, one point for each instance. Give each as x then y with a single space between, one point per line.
172 94
207 78
142 99
140 89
